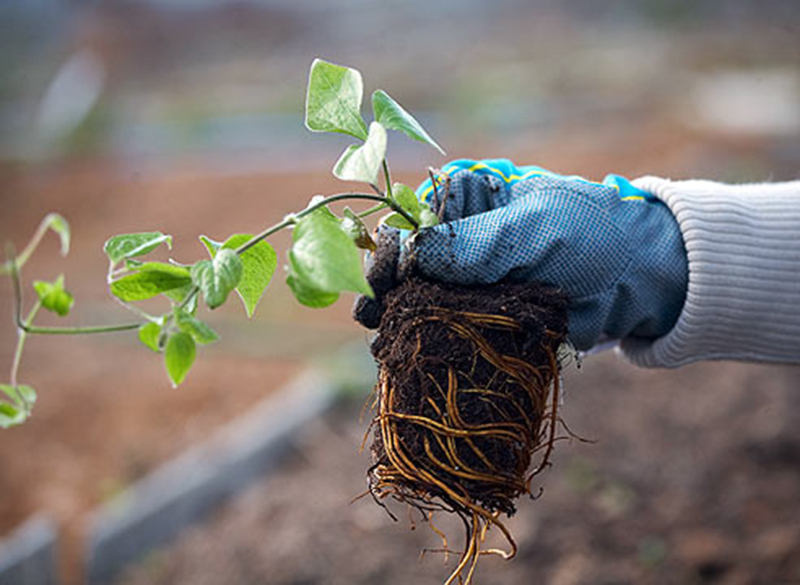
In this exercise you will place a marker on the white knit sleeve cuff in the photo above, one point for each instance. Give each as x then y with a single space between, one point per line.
743 300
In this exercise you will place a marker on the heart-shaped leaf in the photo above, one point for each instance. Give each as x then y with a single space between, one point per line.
333 100
392 115
324 258
363 163
218 277
258 266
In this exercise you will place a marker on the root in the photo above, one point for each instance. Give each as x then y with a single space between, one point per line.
464 401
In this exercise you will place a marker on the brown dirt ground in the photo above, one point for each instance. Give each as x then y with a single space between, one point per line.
693 479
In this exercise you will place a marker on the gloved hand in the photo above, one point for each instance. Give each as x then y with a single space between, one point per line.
615 250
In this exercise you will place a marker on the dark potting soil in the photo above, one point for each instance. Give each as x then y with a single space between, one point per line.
476 359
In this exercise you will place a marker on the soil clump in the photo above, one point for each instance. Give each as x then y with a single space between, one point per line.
467 398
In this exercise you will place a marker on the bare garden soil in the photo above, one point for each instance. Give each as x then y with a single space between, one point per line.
694 479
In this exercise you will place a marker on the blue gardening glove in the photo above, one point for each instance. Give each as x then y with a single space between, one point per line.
615 250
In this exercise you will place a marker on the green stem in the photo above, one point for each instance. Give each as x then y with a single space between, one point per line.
387 178
187 299
80 330
20 260
26 327
292 219
371 210
22 336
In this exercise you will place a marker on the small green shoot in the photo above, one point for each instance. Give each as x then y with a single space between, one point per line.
54 297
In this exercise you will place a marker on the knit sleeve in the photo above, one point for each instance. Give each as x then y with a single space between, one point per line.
743 298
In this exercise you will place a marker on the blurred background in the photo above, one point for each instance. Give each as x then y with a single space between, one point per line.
186 116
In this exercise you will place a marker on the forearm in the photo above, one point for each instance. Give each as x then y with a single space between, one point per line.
743 298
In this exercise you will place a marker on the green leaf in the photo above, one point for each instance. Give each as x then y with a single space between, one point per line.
308 295
427 218
178 295
218 277
363 163
17 412
24 394
162 267
149 335
152 279
126 246
200 332
398 221
133 265
354 227
333 100
8 389
392 115
10 415
27 392
324 258
59 225
211 245
407 199
258 266
179 356
53 296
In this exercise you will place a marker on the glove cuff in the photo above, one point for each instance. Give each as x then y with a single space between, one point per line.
743 298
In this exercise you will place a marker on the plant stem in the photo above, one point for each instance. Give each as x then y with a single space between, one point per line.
371 210
80 330
188 299
292 219
20 260
22 336
387 177
26 327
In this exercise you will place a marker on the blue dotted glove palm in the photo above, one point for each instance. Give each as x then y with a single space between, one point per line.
615 250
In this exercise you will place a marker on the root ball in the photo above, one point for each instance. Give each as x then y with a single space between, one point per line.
466 401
